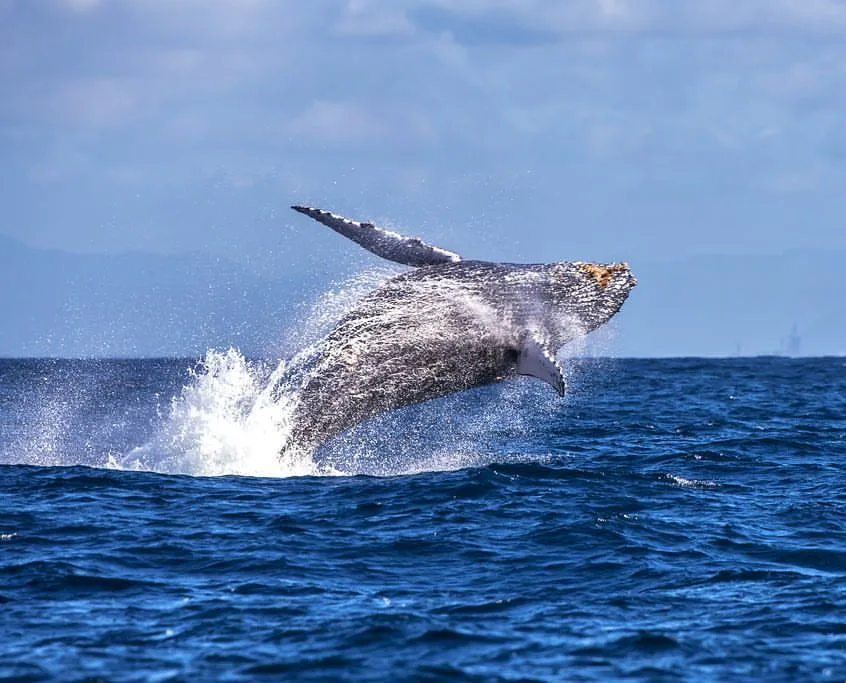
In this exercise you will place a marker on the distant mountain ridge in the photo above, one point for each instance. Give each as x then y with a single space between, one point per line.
55 303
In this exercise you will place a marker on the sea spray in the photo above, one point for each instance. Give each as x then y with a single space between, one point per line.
233 416
316 317
224 422
60 397
240 416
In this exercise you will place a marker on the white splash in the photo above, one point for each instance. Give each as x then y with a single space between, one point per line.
235 415
231 418
224 421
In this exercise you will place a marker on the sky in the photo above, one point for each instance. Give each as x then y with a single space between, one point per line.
523 130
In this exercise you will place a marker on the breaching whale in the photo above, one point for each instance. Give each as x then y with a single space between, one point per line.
444 326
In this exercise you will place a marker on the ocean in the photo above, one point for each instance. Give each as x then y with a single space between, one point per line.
668 520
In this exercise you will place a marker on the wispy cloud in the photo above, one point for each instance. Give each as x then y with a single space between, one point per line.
577 107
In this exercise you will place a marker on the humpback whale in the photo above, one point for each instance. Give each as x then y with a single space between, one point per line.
444 326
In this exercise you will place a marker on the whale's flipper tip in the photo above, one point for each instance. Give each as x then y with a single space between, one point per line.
537 360
410 251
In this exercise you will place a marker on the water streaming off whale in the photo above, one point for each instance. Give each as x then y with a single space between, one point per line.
234 415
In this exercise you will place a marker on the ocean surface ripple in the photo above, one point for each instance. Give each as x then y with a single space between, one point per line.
670 520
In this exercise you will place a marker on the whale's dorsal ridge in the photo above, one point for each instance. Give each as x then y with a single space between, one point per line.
410 251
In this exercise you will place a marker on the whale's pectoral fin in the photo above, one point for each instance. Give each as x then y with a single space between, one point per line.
537 360
409 251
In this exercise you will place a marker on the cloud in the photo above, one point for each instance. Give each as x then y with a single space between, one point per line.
354 124
373 19
82 5
470 103
518 19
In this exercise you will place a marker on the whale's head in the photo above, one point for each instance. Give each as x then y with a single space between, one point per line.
579 297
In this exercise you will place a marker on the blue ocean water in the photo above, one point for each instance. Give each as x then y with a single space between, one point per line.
669 520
